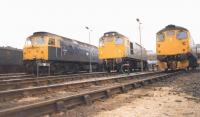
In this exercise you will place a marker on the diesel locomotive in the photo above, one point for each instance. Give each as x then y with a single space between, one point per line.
175 49
50 52
120 54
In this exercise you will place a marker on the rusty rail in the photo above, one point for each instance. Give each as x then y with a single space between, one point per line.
61 104
32 91
48 80
14 76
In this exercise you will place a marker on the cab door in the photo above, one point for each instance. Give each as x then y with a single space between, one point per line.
54 48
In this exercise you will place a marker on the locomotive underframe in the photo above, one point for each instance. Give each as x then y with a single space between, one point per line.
11 69
122 64
172 61
58 67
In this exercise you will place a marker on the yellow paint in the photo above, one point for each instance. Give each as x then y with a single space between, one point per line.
111 50
35 52
172 46
39 52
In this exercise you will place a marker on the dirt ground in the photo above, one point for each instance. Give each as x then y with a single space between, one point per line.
175 97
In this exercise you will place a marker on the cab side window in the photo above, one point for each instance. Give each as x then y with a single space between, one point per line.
101 42
182 35
160 37
51 41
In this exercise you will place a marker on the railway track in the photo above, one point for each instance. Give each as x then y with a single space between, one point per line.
23 76
124 84
48 80
14 76
41 90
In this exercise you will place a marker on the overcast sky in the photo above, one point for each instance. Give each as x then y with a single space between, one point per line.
68 18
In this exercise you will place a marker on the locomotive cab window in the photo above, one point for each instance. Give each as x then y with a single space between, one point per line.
28 42
35 41
101 43
182 35
118 41
108 39
160 37
39 41
51 41
170 33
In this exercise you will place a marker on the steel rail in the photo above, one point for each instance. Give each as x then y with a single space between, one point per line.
64 103
31 77
32 91
15 76
11 74
27 82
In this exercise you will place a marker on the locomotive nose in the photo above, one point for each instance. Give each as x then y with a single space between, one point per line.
171 46
34 53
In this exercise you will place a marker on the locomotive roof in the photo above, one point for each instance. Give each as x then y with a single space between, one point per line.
10 48
172 27
47 33
111 32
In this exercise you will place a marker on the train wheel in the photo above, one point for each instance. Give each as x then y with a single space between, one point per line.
108 69
166 70
75 68
53 69
29 69
125 68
